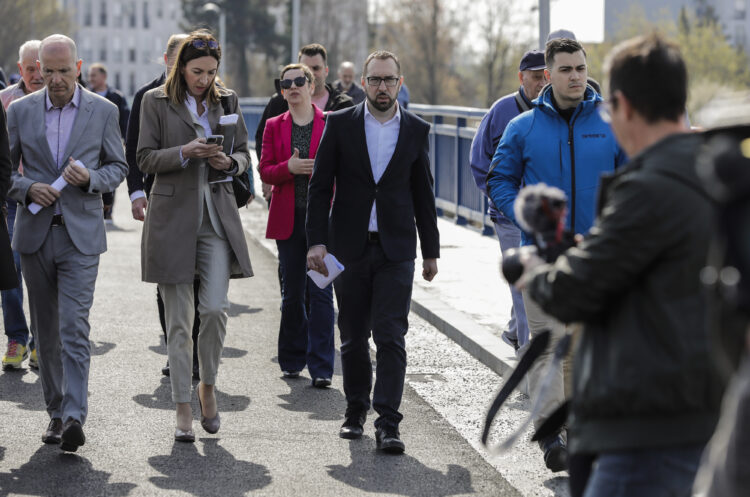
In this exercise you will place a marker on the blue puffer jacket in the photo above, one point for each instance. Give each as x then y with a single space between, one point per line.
541 147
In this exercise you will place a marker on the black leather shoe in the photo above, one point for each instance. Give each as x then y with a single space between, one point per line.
72 436
165 369
353 426
555 453
387 440
54 431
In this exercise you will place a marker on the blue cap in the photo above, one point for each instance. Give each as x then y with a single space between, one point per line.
533 60
561 33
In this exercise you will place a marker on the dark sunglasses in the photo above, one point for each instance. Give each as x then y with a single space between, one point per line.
201 44
299 82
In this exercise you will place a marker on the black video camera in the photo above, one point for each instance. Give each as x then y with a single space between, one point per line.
541 211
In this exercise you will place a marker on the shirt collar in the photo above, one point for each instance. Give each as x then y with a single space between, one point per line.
192 105
75 101
396 118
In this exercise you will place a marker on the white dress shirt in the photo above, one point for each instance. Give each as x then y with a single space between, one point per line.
381 143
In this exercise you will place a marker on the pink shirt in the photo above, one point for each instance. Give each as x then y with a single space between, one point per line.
58 123
321 102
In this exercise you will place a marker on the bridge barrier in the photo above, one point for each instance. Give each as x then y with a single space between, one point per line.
451 133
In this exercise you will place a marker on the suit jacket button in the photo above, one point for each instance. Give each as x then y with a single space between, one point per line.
213 189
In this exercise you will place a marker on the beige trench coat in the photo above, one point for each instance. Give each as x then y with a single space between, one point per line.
168 245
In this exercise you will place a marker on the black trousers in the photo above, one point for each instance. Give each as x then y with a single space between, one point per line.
374 295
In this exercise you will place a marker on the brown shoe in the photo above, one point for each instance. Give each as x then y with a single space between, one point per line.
53 435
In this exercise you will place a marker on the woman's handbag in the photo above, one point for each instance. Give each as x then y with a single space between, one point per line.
241 182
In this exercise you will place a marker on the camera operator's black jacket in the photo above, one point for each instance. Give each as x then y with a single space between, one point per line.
643 372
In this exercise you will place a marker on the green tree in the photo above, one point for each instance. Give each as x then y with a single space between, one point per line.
714 66
250 31
24 20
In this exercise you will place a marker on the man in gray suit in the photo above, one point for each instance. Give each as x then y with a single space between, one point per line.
60 245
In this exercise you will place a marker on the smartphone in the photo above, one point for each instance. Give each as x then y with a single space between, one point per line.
215 139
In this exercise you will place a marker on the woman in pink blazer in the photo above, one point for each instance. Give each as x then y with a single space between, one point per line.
289 145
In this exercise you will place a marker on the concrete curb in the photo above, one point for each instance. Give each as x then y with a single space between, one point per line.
460 327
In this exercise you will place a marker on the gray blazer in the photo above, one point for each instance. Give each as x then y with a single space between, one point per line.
94 140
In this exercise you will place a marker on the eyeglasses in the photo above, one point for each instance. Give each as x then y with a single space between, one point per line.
201 44
390 81
299 82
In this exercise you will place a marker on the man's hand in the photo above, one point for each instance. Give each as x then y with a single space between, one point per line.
76 175
199 149
300 166
138 208
429 269
220 161
43 194
315 259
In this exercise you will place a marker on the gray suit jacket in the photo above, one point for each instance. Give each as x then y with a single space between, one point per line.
94 140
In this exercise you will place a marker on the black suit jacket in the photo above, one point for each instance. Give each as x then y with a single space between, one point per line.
136 179
405 199
117 98
8 278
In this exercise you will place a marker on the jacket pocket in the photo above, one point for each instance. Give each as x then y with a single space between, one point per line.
94 204
164 189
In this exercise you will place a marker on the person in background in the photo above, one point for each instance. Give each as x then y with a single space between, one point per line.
346 83
290 143
532 79
20 341
97 76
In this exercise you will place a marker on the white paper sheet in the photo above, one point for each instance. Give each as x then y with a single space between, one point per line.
334 269
228 119
58 185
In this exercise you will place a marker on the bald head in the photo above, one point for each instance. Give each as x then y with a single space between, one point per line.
60 67
346 74
59 42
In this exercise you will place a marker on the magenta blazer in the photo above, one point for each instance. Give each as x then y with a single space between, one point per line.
277 146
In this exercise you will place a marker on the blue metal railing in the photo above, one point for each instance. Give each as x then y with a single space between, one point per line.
450 145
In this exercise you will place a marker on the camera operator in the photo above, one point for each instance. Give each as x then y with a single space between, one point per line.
646 395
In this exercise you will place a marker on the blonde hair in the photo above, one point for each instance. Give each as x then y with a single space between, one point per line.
175 86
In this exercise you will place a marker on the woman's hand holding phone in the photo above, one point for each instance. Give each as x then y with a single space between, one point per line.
199 149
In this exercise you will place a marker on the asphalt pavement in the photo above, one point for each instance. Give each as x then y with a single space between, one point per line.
278 437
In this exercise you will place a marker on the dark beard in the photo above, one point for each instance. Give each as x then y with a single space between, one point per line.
382 107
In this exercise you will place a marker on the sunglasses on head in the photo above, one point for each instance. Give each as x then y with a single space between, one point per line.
299 82
201 44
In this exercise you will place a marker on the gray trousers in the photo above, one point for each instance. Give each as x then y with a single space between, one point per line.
60 282
559 388
213 266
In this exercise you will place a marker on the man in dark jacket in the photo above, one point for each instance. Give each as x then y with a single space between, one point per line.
645 395
98 84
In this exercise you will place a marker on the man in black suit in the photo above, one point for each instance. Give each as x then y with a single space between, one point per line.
139 184
377 156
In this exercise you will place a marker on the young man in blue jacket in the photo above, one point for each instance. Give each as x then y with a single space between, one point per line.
532 79
562 142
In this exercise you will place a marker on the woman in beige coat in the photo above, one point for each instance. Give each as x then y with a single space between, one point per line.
192 226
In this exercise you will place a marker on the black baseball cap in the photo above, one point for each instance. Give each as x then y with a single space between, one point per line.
533 60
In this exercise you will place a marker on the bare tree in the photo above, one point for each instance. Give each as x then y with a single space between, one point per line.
24 20
421 33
